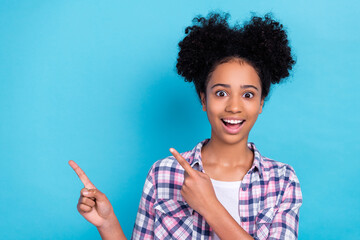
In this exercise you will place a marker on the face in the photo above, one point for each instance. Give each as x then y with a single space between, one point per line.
233 101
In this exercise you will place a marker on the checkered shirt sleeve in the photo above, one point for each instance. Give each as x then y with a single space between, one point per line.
144 224
285 222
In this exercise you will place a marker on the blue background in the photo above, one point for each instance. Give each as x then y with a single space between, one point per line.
95 81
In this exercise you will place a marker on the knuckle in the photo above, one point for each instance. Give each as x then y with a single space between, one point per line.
95 191
89 202
188 181
84 207
85 200
79 207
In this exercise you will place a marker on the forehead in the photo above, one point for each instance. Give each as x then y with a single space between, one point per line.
235 74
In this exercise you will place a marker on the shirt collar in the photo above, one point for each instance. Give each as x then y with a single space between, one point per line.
258 159
196 163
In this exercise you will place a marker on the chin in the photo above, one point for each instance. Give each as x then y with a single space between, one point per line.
232 139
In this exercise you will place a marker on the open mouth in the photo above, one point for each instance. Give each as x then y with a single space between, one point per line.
232 125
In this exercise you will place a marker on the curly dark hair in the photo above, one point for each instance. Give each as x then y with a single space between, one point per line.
261 42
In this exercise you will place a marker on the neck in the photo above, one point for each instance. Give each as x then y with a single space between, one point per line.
222 153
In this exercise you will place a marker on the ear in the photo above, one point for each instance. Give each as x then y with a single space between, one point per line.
203 101
261 105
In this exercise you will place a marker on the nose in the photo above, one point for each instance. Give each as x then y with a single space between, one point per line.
234 105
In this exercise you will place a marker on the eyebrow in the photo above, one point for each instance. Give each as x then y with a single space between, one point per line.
228 86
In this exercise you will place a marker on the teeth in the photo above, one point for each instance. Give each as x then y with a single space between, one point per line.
233 121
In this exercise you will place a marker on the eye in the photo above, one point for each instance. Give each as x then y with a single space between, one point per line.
221 93
248 95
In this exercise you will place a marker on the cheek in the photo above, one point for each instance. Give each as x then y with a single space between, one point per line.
214 107
213 110
254 110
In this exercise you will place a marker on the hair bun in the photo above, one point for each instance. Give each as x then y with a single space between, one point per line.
266 44
205 42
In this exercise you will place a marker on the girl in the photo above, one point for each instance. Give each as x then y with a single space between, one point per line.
223 188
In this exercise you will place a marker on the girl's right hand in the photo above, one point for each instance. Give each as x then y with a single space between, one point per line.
93 205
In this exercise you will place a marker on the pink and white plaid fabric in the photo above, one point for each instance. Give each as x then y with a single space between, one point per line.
269 201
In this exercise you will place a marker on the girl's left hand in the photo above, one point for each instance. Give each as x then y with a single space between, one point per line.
197 189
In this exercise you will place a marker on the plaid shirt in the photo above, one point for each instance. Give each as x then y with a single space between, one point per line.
269 201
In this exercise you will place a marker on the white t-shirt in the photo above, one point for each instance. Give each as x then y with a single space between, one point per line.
228 195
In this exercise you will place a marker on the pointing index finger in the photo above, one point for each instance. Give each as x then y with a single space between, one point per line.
182 161
84 179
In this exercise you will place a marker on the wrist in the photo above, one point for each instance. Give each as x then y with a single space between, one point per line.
109 222
111 229
210 208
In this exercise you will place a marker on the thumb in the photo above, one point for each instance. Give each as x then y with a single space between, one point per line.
95 194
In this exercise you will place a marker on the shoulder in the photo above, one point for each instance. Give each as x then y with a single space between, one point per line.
280 182
272 170
278 170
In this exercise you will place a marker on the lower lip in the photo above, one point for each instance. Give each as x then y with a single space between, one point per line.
232 130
